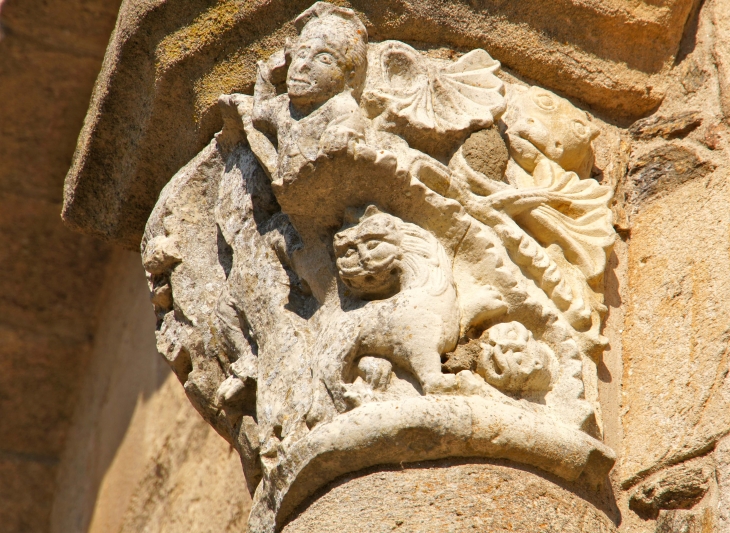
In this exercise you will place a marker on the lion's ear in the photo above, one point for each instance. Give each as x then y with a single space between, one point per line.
370 211
340 240
355 215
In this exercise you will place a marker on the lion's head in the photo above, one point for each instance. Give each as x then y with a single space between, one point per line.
380 255
368 257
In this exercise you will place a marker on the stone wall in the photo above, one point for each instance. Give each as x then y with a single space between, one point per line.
138 457
95 408
50 54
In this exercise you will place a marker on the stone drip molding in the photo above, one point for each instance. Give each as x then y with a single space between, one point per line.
385 257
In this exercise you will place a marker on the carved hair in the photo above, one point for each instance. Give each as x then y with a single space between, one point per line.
342 29
425 260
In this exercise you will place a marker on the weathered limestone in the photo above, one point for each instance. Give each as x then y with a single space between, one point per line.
138 457
314 266
50 54
721 55
722 459
168 61
452 496
394 254
674 388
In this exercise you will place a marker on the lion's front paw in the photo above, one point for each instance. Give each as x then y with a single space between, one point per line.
440 384
375 371
358 393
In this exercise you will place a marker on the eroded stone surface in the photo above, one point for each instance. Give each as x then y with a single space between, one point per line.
668 127
678 487
674 384
155 106
672 396
313 267
449 497
722 458
218 336
665 168
698 521
138 456
50 54
676 380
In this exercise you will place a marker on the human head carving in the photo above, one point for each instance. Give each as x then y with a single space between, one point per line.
328 57
513 361
540 123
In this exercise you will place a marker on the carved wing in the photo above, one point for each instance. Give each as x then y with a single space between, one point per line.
421 99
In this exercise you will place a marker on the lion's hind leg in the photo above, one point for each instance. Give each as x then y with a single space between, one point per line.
425 363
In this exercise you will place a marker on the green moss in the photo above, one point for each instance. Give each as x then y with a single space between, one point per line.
203 31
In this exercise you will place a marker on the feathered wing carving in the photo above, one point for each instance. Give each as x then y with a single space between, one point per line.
414 95
556 207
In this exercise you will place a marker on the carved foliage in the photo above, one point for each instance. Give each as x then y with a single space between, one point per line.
354 246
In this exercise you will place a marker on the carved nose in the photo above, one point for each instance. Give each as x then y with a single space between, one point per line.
302 65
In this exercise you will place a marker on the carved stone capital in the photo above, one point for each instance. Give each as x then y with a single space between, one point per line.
386 257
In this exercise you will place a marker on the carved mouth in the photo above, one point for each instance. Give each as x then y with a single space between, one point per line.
301 82
357 277
362 278
370 268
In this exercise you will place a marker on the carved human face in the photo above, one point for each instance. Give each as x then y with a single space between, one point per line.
540 123
315 74
512 360
367 258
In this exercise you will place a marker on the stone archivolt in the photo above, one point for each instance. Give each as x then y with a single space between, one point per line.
385 257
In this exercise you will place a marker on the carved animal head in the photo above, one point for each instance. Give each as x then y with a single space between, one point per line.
368 256
329 56
540 123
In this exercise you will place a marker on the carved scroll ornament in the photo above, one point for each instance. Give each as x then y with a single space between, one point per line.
385 257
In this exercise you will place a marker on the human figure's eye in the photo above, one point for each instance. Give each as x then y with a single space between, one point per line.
325 58
372 244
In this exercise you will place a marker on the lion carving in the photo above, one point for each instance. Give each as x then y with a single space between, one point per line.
408 315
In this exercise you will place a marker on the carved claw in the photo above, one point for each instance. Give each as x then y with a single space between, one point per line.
337 140
375 371
357 393
382 158
440 384
231 390
486 304
470 384
515 202
237 394
273 70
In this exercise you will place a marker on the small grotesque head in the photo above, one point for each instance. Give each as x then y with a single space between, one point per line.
513 361
328 57
368 256
540 123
